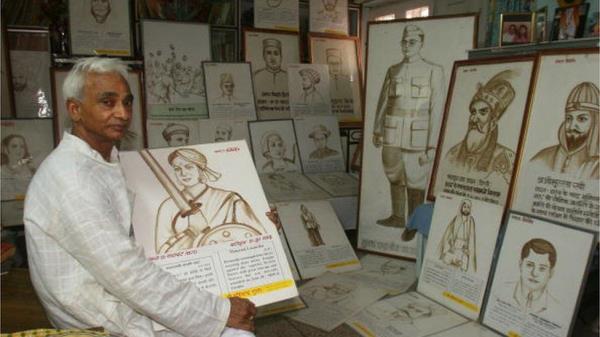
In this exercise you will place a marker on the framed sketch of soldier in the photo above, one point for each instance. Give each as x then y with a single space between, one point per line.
277 14
173 56
329 16
407 75
135 138
538 279
7 101
342 55
100 27
229 91
558 169
269 52
274 146
30 68
319 144
480 133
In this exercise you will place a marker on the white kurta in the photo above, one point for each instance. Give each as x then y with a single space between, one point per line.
86 269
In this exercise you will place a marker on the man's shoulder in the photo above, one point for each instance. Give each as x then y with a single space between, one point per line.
545 154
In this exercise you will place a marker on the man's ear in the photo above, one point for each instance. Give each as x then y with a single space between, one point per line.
74 109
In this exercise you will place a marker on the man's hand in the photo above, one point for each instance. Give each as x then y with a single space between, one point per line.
377 139
241 314
427 157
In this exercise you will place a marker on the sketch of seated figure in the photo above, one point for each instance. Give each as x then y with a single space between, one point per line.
457 247
16 169
319 135
209 215
274 151
334 293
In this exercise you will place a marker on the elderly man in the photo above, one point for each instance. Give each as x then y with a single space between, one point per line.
319 135
577 152
408 111
176 134
479 152
86 269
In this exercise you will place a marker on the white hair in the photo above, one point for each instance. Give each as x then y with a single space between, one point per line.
73 85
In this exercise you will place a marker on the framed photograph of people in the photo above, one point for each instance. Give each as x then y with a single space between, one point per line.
25 143
30 68
229 90
319 144
274 146
223 130
569 22
7 102
173 56
270 52
408 69
541 24
558 169
539 276
309 89
329 16
342 56
481 129
100 27
277 14
172 132
516 28
135 139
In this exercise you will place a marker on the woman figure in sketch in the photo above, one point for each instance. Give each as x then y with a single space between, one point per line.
16 167
274 149
457 247
522 35
211 207
312 226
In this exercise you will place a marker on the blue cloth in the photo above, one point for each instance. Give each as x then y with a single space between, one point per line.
420 219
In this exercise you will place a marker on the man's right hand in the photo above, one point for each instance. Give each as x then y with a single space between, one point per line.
377 139
241 314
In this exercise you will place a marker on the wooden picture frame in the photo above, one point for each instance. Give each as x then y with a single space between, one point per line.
8 100
516 28
569 22
541 24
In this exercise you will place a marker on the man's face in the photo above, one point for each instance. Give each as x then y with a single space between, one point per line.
329 4
178 139
535 271
411 45
306 82
320 141
19 82
100 9
481 115
578 124
335 65
104 114
227 88
465 209
221 135
186 172
15 149
272 56
276 147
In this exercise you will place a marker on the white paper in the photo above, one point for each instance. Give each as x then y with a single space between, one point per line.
276 14
229 90
319 144
392 274
338 184
172 133
290 186
274 146
329 16
309 89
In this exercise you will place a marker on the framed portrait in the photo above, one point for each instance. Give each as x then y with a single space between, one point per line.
223 130
229 90
101 27
516 28
388 195
290 186
7 102
319 144
277 14
274 146
25 144
172 132
329 16
135 139
221 13
479 139
460 251
593 26
539 276
541 24
309 89
269 52
224 43
30 68
174 80
557 172
342 55
569 22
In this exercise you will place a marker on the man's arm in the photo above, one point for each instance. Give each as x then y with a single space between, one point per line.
380 111
436 109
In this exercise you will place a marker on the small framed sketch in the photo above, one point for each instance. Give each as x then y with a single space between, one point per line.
480 133
172 132
342 56
569 22
516 28
7 101
539 276
329 16
277 14
270 52
223 130
338 184
229 91
274 146
135 139
173 56
558 168
30 68
309 89
541 25
25 143
100 27
319 144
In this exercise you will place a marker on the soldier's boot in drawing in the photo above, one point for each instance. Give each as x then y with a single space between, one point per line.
398 196
415 198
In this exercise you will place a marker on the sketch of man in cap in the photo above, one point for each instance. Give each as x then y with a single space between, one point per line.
223 133
271 77
479 151
310 95
176 134
408 112
329 11
319 135
577 150
341 83
227 86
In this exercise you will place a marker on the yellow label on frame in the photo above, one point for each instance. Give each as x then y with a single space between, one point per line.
341 264
261 290
364 329
461 301
513 334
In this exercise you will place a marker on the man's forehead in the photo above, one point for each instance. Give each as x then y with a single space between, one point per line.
535 257
578 113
